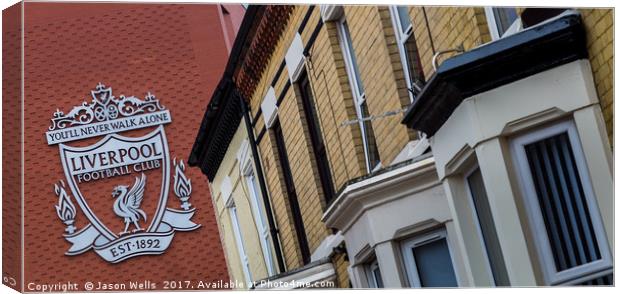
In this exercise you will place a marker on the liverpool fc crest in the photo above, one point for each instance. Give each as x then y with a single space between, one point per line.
120 182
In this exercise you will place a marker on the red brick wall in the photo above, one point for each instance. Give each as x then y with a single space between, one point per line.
11 147
175 51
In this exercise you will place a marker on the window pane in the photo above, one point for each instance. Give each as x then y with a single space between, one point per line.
239 239
487 228
377 276
604 281
371 144
414 65
291 192
504 17
562 201
434 264
403 16
253 185
353 58
316 138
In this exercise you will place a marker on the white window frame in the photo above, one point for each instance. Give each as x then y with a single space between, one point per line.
474 214
401 39
358 98
245 263
371 278
407 247
516 26
259 217
542 243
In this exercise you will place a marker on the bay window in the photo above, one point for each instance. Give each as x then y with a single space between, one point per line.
486 227
562 207
373 275
428 261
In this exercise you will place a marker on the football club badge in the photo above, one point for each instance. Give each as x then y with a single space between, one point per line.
119 182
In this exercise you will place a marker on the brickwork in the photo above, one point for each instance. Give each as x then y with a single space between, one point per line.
175 51
342 270
368 25
374 41
279 200
332 93
599 24
11 147
334 106
447 28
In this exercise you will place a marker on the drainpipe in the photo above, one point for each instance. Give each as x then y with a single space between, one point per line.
263 187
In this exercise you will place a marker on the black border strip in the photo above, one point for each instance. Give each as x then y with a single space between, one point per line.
261 134
304 22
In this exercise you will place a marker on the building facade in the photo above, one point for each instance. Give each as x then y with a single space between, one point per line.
61 59
422 146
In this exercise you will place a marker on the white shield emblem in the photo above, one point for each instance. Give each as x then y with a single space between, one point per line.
121 183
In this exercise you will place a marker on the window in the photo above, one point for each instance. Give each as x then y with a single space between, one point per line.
368 137
486 228
245 264
291 193
502 21
568 229
373 274
314 126
409 55
259 218
428 262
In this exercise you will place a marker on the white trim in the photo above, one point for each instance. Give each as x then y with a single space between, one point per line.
474 213
369 269
348 52
402 36
353 201
412 150
331 12
260 218
411 268
295 58
514 28
327 246
226 188
490 15
542 243
269 107
243 154
245 264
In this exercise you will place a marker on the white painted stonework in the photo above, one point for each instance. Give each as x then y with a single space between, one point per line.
295 58
376 214
479 132
269 107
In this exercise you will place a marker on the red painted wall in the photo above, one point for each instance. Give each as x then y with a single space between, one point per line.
177 52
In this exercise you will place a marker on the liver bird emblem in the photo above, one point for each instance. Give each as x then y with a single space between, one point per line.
127 204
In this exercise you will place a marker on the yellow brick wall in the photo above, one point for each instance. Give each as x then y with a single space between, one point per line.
473 31
383 78
334 101
448 27
342 273
599 25
368 26
299 151
280 203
